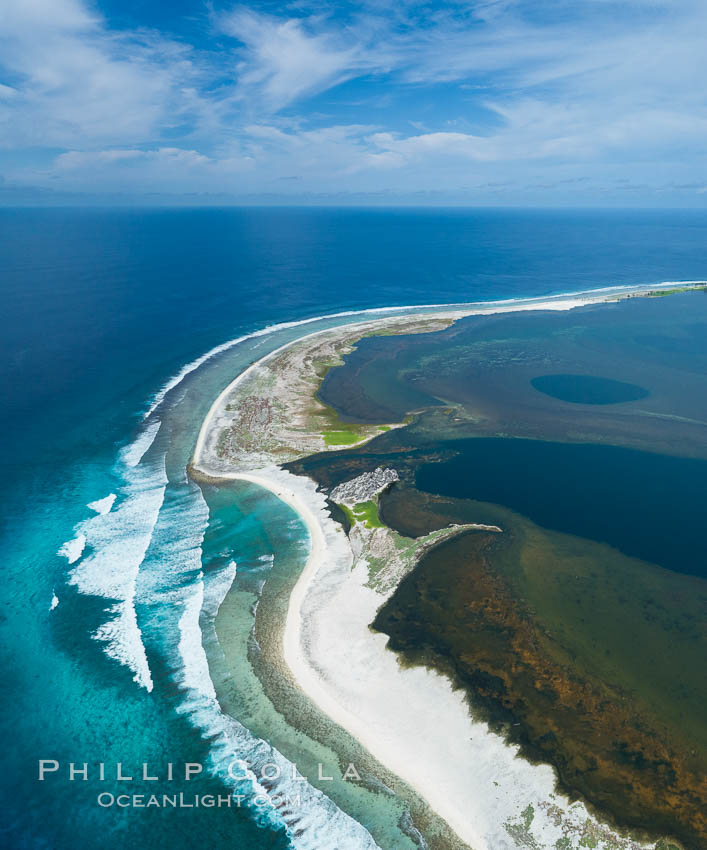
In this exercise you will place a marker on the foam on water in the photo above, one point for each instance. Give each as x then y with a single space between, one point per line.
216 587
73 549
123 642
54 602
117 541
195 671
172 566
102 506
132 454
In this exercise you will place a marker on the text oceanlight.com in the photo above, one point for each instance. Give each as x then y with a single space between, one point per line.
260 794
106 800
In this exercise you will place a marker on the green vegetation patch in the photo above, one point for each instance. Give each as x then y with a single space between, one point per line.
519 829
338 433
344 437
661 293
363 512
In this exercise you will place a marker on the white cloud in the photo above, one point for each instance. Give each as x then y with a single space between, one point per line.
574 87
283 59
415 148
84 159
75 81
155 170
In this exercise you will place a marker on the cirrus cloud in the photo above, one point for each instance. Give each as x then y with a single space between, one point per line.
369 96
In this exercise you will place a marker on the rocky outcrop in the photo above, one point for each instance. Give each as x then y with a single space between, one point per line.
364 487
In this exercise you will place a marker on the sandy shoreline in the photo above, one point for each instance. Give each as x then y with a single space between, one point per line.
411 720
297 659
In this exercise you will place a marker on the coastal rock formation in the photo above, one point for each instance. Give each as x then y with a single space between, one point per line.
364 486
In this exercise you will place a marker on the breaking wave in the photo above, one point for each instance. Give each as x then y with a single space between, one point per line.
73 549
117 541
102 506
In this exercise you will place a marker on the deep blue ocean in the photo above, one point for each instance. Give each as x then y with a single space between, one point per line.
100 309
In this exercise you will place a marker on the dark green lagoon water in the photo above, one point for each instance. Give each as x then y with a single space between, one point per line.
588 389
647 505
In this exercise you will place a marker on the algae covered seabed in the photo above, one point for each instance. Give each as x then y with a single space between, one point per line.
579 630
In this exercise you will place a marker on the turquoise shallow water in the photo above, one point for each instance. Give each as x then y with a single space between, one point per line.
101 309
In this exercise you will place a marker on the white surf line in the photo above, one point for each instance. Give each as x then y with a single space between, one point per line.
73 549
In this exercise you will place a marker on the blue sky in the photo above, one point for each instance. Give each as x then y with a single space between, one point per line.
505 102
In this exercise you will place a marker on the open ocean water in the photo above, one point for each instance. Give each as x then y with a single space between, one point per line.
102 655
